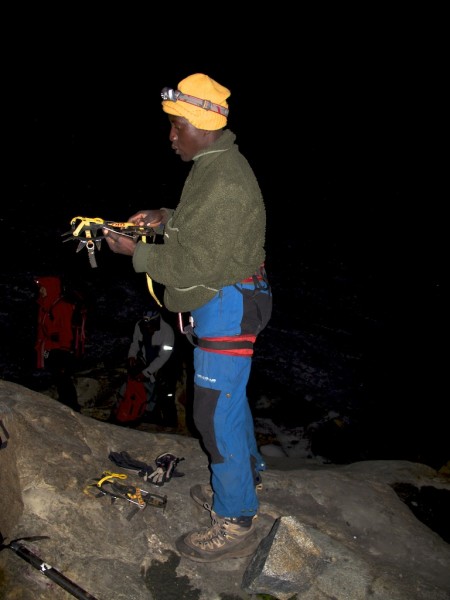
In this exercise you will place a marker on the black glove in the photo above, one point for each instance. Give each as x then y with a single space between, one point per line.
124 460
165 469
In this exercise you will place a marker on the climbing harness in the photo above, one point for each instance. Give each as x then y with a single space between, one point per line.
107 485
88 232
35 561
236 345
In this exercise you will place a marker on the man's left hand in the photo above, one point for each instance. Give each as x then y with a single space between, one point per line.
120 244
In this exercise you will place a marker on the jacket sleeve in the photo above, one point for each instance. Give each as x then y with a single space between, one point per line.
165 340
136 342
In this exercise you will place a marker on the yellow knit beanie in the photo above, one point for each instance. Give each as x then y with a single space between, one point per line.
200 87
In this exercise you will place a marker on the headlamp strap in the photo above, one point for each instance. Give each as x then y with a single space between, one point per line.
174 95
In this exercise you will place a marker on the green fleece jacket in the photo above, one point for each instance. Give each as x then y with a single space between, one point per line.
216 235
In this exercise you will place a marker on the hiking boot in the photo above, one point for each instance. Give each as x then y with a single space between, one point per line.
228 537
203 494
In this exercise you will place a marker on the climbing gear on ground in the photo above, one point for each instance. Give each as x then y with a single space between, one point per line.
166 464
228 537
35 561
125 461
165 469
110 475
107 485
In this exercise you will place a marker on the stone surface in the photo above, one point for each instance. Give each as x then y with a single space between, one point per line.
325 530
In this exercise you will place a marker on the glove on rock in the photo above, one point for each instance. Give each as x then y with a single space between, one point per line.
165 469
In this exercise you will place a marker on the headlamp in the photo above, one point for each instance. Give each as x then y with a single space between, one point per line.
170 94
174 95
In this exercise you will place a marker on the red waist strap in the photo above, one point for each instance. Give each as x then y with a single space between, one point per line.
234 345
251 279
258 275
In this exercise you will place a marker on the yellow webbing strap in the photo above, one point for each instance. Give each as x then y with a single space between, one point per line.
91 489
150 281
84 222
151 290
109 475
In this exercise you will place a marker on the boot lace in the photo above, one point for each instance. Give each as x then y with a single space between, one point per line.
217 535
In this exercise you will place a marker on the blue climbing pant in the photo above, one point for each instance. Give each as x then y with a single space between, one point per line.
221 411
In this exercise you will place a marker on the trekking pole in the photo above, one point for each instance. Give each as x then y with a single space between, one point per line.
44 568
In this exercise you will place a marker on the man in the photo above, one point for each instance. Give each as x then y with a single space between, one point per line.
148 361
54 340
212 266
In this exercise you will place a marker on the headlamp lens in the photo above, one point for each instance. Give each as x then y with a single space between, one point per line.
170 94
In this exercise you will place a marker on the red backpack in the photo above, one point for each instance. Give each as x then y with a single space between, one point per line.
79 315
132 400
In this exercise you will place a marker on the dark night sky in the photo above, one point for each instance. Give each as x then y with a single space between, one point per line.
334 124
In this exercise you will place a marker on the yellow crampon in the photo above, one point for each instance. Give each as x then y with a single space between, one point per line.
108 485
86 231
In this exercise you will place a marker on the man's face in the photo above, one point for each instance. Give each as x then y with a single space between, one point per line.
186 139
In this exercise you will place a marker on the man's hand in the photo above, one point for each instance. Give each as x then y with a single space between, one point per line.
120 244
149 218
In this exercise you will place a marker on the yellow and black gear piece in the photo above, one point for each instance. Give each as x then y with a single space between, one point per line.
108 485
86 231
